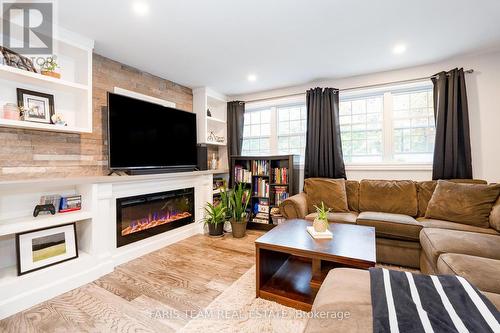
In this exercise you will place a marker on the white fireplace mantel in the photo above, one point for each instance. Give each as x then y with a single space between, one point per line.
96 230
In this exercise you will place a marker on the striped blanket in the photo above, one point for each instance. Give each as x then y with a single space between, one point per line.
405 302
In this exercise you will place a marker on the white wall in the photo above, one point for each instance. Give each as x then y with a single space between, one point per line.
483 89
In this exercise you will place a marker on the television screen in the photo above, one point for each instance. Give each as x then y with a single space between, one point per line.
144 135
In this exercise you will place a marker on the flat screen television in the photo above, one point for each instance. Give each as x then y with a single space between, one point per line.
148 136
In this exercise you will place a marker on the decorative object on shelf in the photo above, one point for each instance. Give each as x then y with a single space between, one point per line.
42 248
16 60
37 106
70 203
214 138
54 199
209 113
49 208
58 119
215 216
49 67
11 112
320 223
214 164
238 203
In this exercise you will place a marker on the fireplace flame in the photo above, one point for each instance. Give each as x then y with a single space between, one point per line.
153 220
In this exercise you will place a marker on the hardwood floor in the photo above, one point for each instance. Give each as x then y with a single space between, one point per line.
141 295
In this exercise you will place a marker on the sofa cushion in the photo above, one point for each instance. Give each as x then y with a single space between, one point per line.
337 217
441 224
438 241
395 226
344 290
330 191
352 190
463 203
388 196
424 195
483 273
495 216
425 189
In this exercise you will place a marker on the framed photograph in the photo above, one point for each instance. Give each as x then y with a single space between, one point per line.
39 107
42 248
13 59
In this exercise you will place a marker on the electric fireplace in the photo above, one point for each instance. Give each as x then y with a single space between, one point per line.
143 216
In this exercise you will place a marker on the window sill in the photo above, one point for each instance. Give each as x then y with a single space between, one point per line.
389 167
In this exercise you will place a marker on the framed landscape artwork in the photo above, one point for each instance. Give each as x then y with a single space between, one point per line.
38 249
38 107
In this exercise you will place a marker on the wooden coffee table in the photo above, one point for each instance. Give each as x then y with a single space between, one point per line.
291 265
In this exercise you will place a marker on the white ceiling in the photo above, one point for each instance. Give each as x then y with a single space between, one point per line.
218 43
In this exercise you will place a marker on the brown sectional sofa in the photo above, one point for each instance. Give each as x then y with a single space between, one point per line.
404 237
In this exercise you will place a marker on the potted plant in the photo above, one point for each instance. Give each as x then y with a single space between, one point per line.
238 202
49 68
320 223
215 216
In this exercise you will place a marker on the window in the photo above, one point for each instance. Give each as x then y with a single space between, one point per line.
361 129
257 132
413 126
383 125
389 126
292 130
275 130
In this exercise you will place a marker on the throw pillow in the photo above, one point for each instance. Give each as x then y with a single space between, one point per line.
463 203
330 191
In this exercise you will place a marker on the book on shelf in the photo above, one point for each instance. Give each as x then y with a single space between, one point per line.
263 216
280 176
260 167
280 194
242 175
261 188
261 207
262 221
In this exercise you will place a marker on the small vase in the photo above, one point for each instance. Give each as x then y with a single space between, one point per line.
239 228
320 225
216 229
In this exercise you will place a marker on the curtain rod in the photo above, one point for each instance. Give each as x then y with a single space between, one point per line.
468 71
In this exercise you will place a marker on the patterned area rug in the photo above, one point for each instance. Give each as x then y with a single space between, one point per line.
237 310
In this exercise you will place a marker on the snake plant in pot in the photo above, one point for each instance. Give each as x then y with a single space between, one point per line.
238 203
320 223
215 216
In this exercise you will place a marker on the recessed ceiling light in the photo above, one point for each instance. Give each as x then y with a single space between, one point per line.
252 77
141 8
399 49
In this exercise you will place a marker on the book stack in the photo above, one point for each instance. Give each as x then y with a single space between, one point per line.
242 175
261 188
280 176
261 211
260 167
280 194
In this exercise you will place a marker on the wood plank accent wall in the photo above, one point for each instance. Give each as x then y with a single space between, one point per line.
35 154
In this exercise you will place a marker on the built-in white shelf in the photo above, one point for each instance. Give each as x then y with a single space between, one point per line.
216 120
212 143
16 225
31 78
8 275
42 126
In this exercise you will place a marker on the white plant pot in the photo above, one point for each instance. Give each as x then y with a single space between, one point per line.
320 225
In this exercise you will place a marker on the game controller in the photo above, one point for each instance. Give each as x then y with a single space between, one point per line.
44 208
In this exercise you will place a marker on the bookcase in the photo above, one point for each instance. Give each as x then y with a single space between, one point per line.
270 179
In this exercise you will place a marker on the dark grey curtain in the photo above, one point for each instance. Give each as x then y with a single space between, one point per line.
323 144
235 118
452 152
